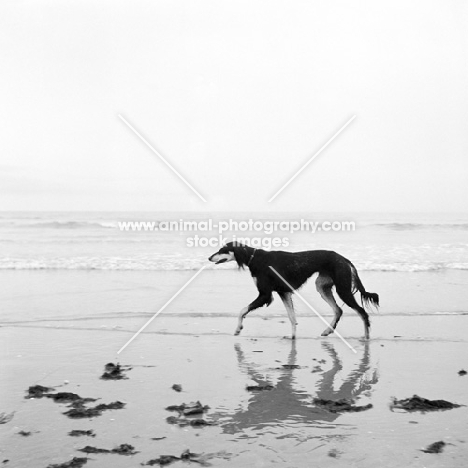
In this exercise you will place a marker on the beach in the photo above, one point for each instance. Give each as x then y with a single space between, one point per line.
60 329
180 181
76 289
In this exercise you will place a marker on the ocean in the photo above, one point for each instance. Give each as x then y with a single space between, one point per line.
58 267
95 241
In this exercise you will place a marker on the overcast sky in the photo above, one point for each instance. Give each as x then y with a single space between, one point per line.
237 96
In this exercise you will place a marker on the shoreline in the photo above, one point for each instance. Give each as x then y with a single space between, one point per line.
57 294
435 328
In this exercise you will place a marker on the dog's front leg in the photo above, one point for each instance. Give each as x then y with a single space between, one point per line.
264 298
242 314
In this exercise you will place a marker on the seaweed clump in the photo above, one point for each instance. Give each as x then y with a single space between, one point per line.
417 403
122 449
259 388
82 412
114 372
185 412
340 406
187 456
37 391
189 409
436 447
79 433
76 462
76 401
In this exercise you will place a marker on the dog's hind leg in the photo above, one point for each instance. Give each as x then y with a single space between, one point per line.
348 298
324 286
286 297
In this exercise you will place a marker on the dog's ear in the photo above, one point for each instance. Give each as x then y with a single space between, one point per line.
241 256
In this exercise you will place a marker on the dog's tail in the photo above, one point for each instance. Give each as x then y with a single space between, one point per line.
367 298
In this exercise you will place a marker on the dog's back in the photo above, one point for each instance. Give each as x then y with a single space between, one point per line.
296 267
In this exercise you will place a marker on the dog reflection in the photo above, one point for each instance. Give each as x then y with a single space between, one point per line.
286 403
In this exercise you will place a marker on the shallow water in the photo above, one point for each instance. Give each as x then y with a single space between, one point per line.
37 296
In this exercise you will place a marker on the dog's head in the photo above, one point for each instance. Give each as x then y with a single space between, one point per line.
233 251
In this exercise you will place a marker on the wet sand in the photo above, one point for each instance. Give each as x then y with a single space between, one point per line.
280 426
276 424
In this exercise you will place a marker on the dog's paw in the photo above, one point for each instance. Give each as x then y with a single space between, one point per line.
327 332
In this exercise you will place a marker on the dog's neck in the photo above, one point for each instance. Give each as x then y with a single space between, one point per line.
251 257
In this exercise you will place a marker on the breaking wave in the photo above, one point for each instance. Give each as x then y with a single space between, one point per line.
70 225
181 263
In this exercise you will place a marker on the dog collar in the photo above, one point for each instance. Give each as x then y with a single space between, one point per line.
250 259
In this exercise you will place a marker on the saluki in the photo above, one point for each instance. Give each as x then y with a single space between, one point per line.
289 271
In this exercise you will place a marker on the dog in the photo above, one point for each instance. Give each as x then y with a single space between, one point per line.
285 272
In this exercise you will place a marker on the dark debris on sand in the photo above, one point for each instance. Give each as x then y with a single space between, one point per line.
82 412
187 455
462 372
161 461
334 453
123 449
90 449
259 388
201 459
183 422
67 397
189 409
417 403
37 391
177 387
436 447
185 412
339 406
79 433
114 372
74 463
76 403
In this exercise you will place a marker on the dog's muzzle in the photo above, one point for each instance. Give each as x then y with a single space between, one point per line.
217 259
